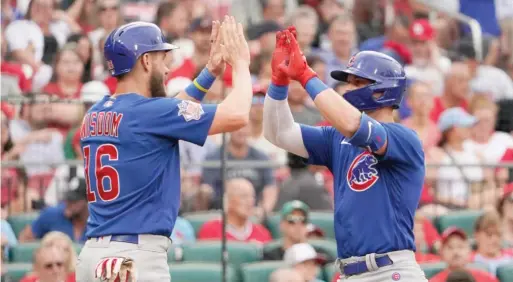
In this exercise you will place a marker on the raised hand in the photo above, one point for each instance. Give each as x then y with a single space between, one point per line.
234 46
280 56
215 63
296 67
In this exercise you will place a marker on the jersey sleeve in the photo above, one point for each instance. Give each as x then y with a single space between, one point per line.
403 145
176 119
317 141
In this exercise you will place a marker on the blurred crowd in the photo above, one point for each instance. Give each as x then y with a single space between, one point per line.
459 101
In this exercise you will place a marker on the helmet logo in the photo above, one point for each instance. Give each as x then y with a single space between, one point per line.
110 65
351 62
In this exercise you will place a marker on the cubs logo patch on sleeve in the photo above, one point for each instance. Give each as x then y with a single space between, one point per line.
190 110
362 173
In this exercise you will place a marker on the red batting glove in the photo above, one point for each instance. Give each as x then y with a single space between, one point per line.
280 56
297 68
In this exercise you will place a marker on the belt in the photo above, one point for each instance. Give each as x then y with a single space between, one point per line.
131 239
360 267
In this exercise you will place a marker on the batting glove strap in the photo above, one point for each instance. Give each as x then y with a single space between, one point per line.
116 269
199 87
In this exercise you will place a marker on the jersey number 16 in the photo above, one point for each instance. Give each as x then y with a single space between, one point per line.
101 172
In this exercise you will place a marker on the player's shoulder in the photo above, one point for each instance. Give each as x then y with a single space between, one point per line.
402 131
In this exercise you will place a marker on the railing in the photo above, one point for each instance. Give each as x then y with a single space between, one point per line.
475 27
439 195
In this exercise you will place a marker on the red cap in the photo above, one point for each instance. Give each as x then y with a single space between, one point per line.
422 30
453 231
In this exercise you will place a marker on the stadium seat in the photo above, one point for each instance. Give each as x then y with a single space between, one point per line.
432 269
260 271
210 251
461 219
23 252
16 271
78 247
175 253
323 220
196 219
328 247
505 273
19 221
329 271
199 272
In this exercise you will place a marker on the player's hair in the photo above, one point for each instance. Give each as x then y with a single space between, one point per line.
51 239
163 11
490 219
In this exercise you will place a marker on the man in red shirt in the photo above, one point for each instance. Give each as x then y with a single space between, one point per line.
455 251
456 91
239 201
49 266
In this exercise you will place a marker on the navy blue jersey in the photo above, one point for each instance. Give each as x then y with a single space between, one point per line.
132 162
375 196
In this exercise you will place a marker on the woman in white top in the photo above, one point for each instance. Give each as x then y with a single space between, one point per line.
461 182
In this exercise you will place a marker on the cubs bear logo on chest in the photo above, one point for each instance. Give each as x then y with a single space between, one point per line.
362 172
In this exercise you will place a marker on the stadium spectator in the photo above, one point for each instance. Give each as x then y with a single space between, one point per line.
84 49
457 186
341 46
62 242
456 91
488 235
200 29
485 78
183 232
67 79
426 239
262 37
314 232
173 20
303 185
262 179
487 142
285 275
304 259
261 69
396 32
306 21
239 203
505 209
299 105
83 12
249 12
49 266
460 276
69 217
328 10
14 81
319 67
8 238
428 65
37 142
420 100
256 138
455 251
109 17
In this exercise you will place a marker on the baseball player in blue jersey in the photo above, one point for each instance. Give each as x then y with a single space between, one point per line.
378 165
130 148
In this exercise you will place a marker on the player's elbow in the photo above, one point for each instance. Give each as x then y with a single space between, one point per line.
240 120
225 121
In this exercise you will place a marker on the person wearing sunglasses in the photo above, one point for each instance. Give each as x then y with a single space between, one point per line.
49 266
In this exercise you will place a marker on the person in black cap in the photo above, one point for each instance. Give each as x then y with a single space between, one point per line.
69 217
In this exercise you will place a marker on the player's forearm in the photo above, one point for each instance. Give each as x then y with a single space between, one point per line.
238 101
199 87
340 113
279 126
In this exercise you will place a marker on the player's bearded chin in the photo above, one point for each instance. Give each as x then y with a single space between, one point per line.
157 88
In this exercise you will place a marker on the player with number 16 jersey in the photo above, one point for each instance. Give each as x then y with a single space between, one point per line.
131 153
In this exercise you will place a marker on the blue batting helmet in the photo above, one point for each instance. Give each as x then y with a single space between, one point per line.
128 42
387 75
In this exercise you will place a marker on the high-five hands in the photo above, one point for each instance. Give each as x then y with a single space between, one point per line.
234 46
215 63
288 60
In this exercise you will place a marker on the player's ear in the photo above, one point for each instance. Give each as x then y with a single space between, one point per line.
146 61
